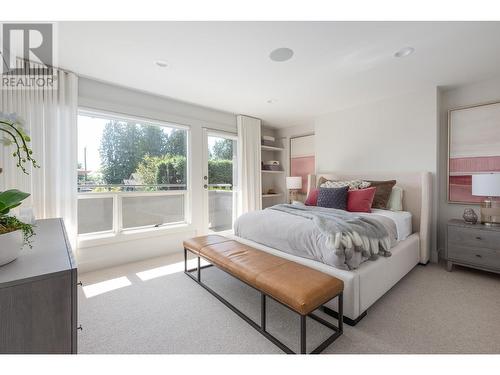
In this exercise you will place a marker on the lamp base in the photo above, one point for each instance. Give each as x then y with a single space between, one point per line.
490 213
293 195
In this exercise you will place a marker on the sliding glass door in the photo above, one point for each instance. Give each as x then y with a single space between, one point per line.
220 180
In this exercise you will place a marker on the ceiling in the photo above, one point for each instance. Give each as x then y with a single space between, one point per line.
226 65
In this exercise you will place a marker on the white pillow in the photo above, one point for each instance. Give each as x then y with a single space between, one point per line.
395 202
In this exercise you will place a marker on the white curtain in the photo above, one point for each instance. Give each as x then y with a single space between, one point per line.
50 117
249 164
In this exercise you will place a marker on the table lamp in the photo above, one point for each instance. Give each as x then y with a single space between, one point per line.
294 184
488 185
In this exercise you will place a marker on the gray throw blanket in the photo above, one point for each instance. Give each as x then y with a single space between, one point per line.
346 232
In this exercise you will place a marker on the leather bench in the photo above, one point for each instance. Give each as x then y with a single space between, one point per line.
298 287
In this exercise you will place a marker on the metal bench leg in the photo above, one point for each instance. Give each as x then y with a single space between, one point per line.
341 312
185 260
303 334
263 311
262 327
199 270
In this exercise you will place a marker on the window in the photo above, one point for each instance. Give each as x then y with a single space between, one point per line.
131 174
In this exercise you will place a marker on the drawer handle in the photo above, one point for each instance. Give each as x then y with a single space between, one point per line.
479 256
80 327
478 238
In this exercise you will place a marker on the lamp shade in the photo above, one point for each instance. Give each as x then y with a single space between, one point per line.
294 183
486 185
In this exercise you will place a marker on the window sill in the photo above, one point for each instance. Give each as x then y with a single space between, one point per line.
131 235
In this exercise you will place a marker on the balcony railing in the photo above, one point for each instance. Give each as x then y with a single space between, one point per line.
114 208
97 188
221 206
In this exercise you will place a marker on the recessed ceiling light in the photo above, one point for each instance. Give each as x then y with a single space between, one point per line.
403 52
281 54
161 63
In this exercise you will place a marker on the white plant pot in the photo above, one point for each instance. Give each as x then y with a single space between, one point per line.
11 245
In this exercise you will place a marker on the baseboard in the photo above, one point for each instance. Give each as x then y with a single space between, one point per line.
348 321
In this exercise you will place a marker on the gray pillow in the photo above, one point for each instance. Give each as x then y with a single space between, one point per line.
333 197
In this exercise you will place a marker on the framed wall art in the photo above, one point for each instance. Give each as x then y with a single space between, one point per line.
473 148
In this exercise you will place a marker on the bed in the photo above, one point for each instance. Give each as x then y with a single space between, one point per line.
372 279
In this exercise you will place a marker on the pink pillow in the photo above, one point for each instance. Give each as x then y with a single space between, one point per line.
312 198
360 200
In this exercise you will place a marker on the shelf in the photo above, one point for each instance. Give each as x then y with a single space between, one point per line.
271 148
264 171
271 195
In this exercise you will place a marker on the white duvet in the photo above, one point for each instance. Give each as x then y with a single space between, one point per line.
298 236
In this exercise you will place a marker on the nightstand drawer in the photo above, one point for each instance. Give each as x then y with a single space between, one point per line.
473 237
482 257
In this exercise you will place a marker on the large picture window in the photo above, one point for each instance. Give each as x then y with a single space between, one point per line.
131 173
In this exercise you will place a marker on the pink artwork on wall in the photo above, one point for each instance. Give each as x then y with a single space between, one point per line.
474 148
302 166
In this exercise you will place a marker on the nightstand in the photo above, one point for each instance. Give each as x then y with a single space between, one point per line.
473 245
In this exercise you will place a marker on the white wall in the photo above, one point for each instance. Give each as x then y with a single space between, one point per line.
391 135
106 97
480 92
397 134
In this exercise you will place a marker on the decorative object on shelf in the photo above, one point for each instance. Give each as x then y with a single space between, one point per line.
470 216
14 233
473 148
293 184
268 140
271 165
488 185
271 191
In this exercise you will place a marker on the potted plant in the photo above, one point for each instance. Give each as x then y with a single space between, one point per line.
14 234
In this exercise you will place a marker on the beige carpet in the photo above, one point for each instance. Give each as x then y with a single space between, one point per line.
163 311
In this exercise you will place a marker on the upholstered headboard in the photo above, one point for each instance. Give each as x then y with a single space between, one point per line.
416 199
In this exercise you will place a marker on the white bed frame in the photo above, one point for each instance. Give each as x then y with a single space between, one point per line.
365 285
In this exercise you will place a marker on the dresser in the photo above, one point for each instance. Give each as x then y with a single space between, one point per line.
38 295
473 245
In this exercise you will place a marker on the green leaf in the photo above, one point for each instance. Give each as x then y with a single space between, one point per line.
10 199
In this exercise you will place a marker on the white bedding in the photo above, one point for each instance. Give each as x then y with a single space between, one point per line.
301 237
401 219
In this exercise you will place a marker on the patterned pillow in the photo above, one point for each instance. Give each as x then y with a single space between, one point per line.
322 180
352 184
333 197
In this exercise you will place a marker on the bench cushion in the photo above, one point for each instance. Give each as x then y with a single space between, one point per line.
299 287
